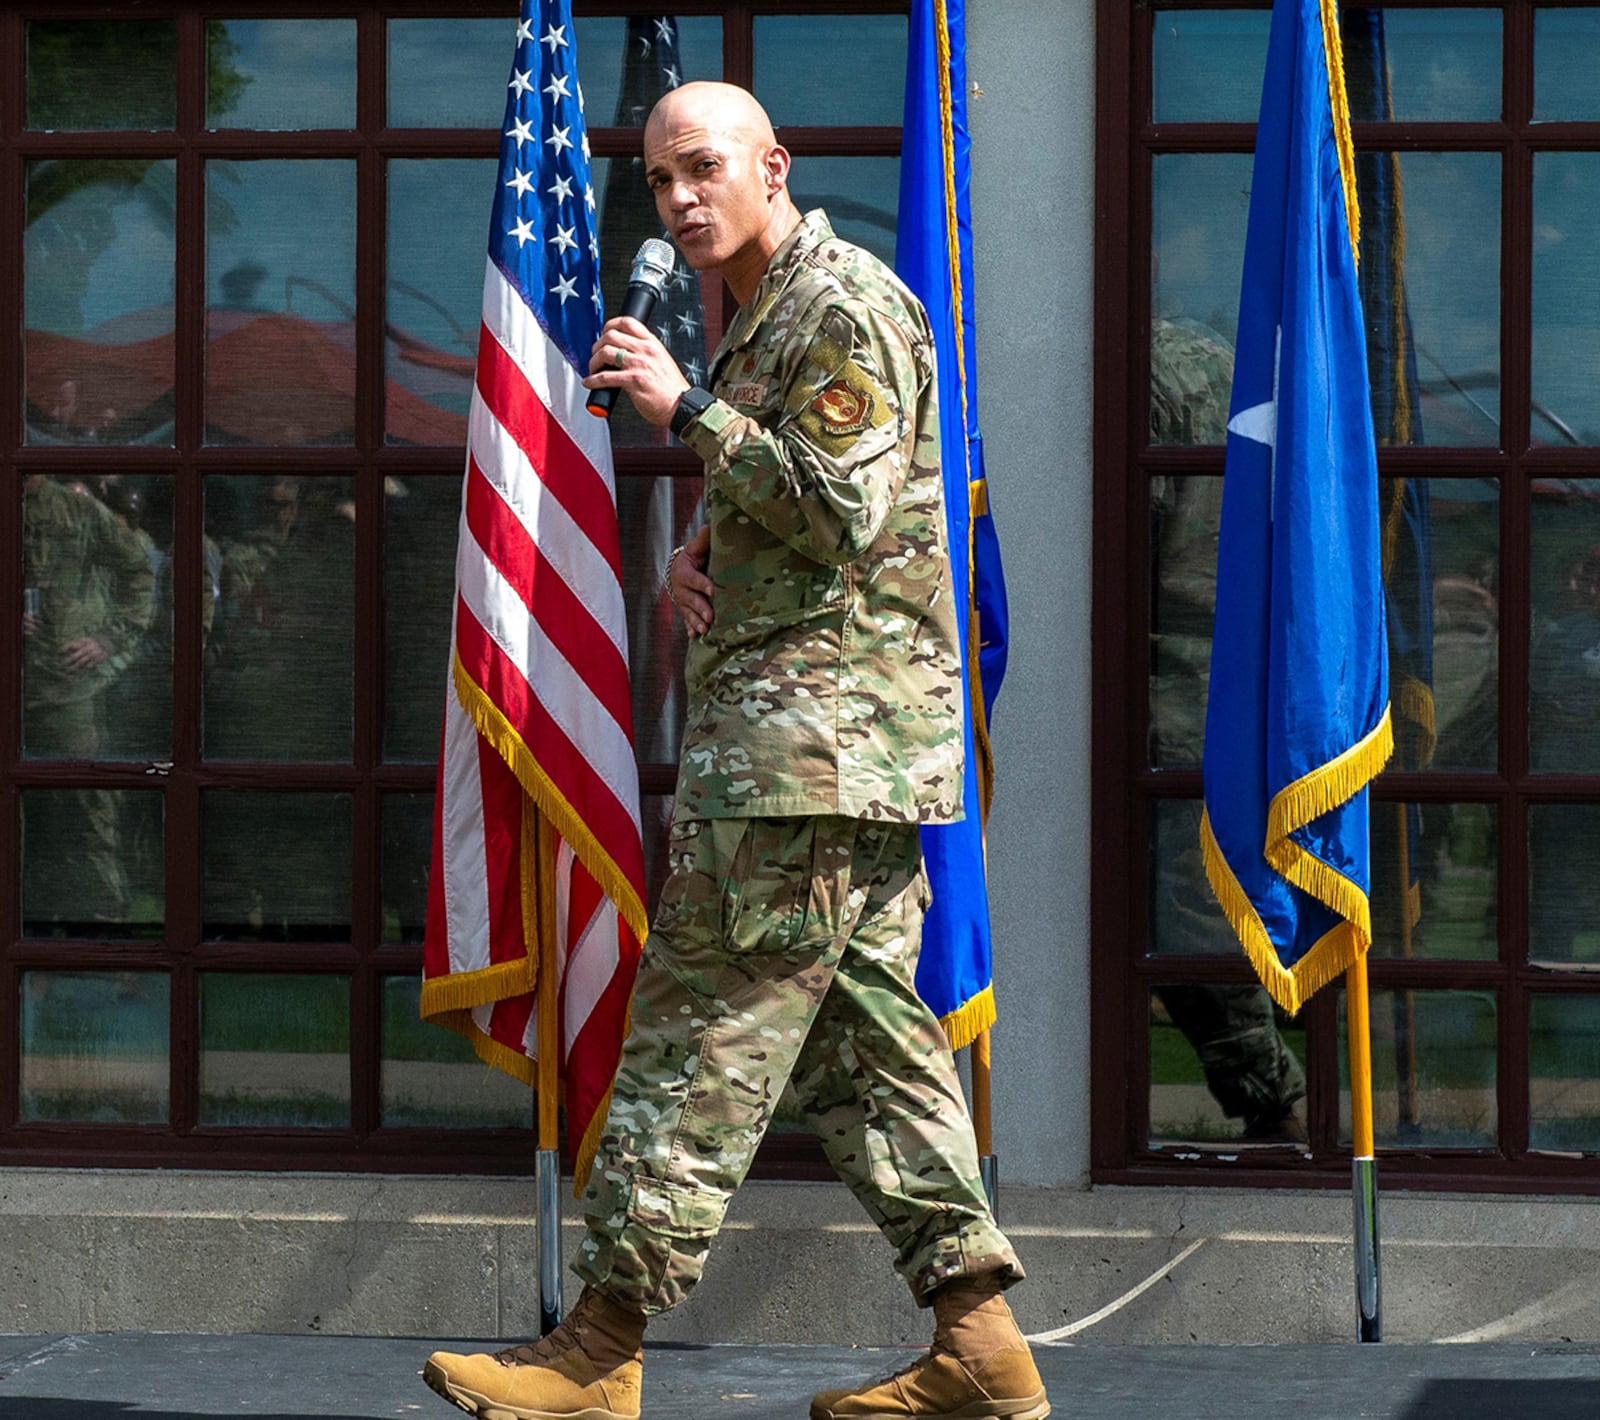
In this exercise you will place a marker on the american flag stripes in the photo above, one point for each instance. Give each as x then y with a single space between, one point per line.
536 817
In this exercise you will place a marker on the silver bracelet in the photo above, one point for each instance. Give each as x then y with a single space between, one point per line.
666 569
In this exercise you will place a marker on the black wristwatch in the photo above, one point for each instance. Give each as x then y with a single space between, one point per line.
692 403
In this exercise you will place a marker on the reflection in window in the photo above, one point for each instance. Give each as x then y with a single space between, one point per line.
1225 1065
1184 916
1208 65
94 1047
274 1049
280 303
1434 874
433 297
98 258
275 867
831 70
88 615
1566 299
102 74
432 1078
419 563
281 74
1563 1071
1434 65
860 195
448 73
1434 1057
93 863
629 63
280 677
407 844
1564 886
1564 659
1184 516
1566 56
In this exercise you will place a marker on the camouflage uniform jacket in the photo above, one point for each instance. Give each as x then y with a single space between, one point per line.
829 681
95 580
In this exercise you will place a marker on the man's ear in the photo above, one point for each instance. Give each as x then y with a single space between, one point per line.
776 163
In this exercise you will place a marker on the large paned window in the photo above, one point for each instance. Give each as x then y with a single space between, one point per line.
1477 130
241 258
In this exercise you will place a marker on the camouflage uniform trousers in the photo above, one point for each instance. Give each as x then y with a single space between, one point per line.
784 950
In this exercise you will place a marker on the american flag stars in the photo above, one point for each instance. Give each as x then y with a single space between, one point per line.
544 234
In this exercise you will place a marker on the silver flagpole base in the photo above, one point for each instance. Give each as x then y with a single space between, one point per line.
1369 1289
547 1173
989 1172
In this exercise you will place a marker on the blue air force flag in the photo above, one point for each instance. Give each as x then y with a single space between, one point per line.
1297 722
933 256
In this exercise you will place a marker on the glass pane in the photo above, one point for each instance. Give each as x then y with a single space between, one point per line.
655 515
1564 883
431 1077
1208 65
1441 558
420 516
1184 917
280 301
629 63
861 196
279 674
1564 1073
274 1049
94 1047
1184 515
833 70
1426 65
102 74
1442 542
1433 880
1564 660
1566 55
1199 204
275 867
407 848
1566 300
96 617
449 73
93 863
98 259
1225 1066
1434 1057
434 295
281 74
1430 284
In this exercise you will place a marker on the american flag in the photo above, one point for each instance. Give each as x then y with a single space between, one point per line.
536 817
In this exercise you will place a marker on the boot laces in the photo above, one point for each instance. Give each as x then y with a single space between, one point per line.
531 1353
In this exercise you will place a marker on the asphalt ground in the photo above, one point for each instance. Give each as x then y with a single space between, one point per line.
127 1376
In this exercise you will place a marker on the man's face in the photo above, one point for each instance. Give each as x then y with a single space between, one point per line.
711 186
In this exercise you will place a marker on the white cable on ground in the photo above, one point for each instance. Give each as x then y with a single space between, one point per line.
1048 1338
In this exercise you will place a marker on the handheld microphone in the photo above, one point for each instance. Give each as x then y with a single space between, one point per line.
652 266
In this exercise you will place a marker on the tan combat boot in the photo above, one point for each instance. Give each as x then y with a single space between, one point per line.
978 1366
588 1368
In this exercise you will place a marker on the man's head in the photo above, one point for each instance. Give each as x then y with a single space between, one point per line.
720 178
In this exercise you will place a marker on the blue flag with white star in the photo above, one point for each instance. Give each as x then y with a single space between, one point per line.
1297 722
543 234
933 255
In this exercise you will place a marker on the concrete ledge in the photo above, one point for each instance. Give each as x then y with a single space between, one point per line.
406 1256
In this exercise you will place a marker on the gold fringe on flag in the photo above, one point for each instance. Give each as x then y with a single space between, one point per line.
967 1022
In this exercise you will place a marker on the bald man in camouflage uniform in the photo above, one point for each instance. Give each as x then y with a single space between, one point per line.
825 726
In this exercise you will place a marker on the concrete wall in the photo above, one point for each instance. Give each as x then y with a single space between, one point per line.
457 1257
1033 215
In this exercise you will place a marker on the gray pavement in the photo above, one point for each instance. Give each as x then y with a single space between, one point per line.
127 1376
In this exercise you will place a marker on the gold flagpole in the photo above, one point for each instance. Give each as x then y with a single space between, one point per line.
548 1024
983 1123
1364 1167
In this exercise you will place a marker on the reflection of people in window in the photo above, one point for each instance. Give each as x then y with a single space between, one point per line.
87 602
1233 1030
